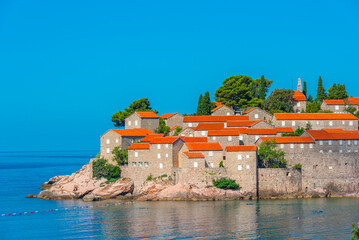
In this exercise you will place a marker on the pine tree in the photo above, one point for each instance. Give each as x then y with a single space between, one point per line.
199 109
321 95
262 88
305 88
310 98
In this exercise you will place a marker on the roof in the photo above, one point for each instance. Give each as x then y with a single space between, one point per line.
324 135
149 137
218 107
284 129
289 139
333 130
242 123
195 139
349 101
140 146
261 131
213 118
209 126
213 146
223 132
241 148
174 127
136 132
167 115
314 116
218 104
193 154
148 114
163 140
250 110
354 101
298 96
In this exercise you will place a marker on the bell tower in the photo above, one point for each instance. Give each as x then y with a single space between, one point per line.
299 86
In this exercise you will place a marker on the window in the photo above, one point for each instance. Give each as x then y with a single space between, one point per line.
116 140
321 151
228 113
166 145
203 133
318 122
355 142
343 122
213 138
330 167
107 150
239 156
349 142
283 123
282 146
136 123
241 137
240 167
256 116
158 146
247 166
225 125
298 104
311 145
340 142
291 145
140 164
330 151
210 154
161 165
229 138
195 164
336 107
129 123
108 141
136 154
320 142
257 138
293 123
351 123
348 151
131 140
166 155
146 164
191 135
302 145
330 142
340 151
189 124
158 155
211 164
330 123
247 156
356 151
134 164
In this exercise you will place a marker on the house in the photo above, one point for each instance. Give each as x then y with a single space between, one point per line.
172 119
295 145
299 99
258 114
248 124
224 137
172 130
193 160
253 134
202 129
193 121
339 105
316 121
148 120
150 137
120 137
222 110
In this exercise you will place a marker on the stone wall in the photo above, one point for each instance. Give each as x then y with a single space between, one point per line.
197 175
223 111
174 120
318 124
259 114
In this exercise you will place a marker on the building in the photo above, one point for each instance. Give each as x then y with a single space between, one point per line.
299 99
339 105
193 121
148 120
173 119
248 124
258 114
222 110
212 152
225 137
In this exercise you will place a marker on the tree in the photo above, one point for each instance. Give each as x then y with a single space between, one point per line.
259 82
120 155
162 128
281 100
337 91
351 109
226 183
262 88
142 104
269 156
199 105
206 104
177 131
297 132
310 98
305 88
100 168
321 95
312 107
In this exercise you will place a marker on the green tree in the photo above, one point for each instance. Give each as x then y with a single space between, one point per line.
120 155
270 156
281 100
100 168
337 91
310 98
206 104
259 83
355 231
199 106
262 88
305 88
177 130
312 107
162 128
297 132
141 105
225 183
351 109
321 94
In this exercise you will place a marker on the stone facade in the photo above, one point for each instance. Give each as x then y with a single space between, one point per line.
222 110
299 106
225 140
174 120
258 114
135 121
335 108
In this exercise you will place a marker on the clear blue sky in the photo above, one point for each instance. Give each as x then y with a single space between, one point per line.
67 66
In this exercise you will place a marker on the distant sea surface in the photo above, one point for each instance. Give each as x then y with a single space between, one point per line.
22 173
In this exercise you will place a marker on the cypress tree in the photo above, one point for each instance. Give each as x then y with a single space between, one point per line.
305 88
262 88
206 104
320 91
199 106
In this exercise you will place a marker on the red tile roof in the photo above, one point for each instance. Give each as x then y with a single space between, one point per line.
261 131
289 139
334 102
163 140
354 101
213 118
241 148
209 126
195 139
147 114
284 129
217 107
193 154
239 130
140 146
136 132
218 104
149 137
167 115
333 130
213 146
324 135
298 96
223 132
242 123
250 110
314 116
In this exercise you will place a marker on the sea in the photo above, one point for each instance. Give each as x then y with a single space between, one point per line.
21 173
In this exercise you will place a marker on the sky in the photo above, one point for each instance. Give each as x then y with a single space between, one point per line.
67 66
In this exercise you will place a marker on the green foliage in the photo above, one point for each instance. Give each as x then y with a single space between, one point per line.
321 94
221 164
262 88
225 183
142 104
100 168
120 155
269 156
355 231
299 131
297 166
162 128
281 100
308 126
178 130
351 110
312 107
310 98
98 155
149 178
337 91
199 105
305 88
205 105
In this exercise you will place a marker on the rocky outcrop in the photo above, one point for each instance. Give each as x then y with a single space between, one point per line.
51 182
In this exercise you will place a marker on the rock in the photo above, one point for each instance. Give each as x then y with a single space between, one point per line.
31 196
211 193
51 182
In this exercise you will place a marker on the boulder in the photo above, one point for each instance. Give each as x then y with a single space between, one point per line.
51 182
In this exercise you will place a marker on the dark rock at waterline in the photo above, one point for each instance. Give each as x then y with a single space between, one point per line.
31 196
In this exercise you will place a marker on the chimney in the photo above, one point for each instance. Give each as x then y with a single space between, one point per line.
299 86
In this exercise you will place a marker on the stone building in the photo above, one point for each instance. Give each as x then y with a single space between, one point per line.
222 110
299 99
339 105
253 134
248 124
172 119
258 114
317 121
148 120
193 121
225 137
202 129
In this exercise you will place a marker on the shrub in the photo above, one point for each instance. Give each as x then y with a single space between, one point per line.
163 176
221 164
297 166
355 231
100 168
299 131
120 155
225 183
149 178
269 156
98 155
177 131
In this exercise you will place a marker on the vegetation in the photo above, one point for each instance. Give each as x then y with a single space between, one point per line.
205 105
262 88
312 107
305 88
337 91
351 110
162 128
142 104
297 166
281 100
269 156
297 132
225 183
120 155
98 155
321 94
221 164
355 231
101 169
177 130
149 178
308 126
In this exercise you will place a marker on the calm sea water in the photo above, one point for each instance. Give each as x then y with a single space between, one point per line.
22 173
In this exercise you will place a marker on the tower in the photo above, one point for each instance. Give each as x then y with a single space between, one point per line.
299 86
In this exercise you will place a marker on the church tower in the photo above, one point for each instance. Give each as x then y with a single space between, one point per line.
299 86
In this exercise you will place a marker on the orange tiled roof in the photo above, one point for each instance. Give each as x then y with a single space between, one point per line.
218 104
147 114
193 154
242 123
195 139
261 131
162 140
354 101
209 126
334 102
223 133
140 146
333 130
250 110
167 115
241 148
289 139
298 96
174 127
213 146
149 137
136 132
213 118
324 135
239 130
284 129
314 116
